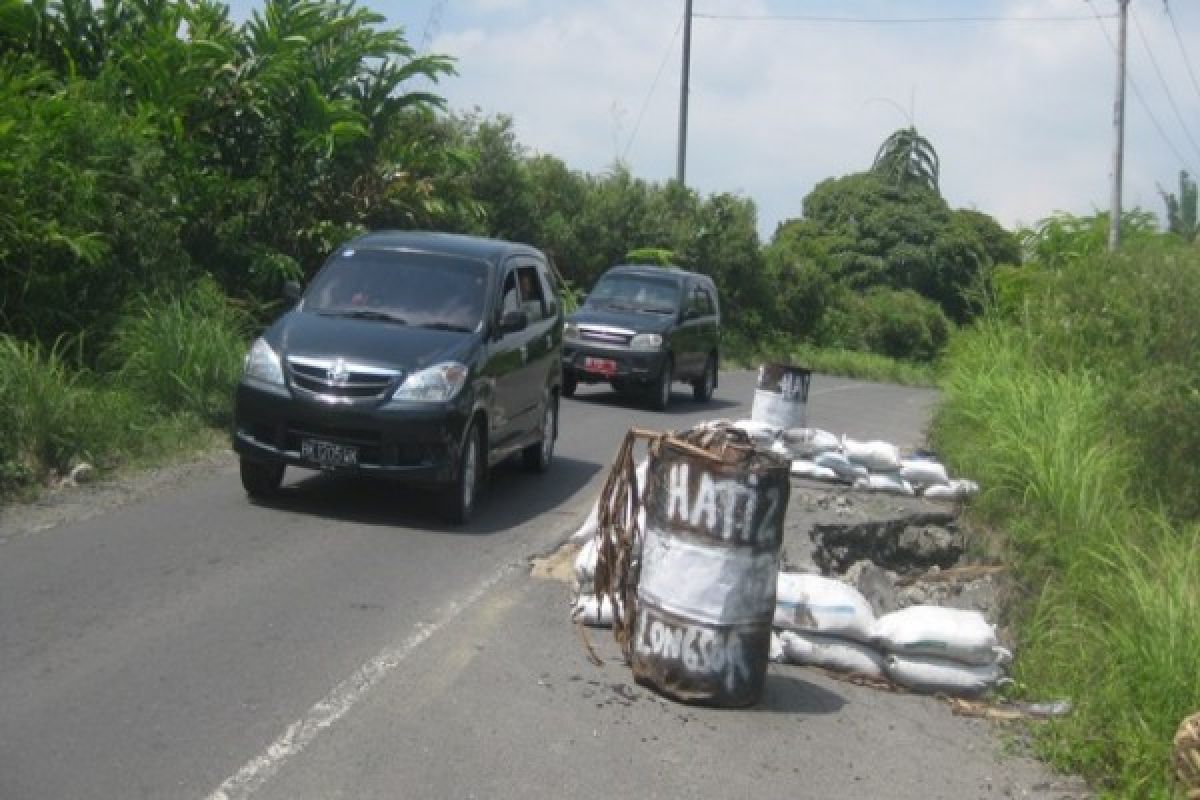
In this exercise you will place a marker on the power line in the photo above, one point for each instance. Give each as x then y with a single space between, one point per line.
1163 81
1137 92
1183 51
654 84
888 20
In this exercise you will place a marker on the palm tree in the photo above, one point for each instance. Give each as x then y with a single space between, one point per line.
906 157
1181 209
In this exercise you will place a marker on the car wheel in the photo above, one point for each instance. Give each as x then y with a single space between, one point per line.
260 478
660 396
537 457
569 384
460 497
702 387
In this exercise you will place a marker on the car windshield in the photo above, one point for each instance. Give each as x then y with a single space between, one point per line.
402 288
635 293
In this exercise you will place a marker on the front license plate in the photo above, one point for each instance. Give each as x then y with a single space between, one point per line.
328 454
604 366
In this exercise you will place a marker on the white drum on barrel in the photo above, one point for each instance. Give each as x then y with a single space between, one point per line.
781 396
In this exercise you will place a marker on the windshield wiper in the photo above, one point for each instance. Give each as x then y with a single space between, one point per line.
656 310
364 313
620 306
445 326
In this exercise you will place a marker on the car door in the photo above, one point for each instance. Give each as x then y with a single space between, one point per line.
505 361
688 341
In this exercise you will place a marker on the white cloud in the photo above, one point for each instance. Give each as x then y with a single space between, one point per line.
1019 112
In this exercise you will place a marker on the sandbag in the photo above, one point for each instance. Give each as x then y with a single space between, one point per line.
923 472
593 611
875 455
808 442
951 633
831 652
842 466
802 468
823 605
585 564
933 675
889 482
761 433
952 491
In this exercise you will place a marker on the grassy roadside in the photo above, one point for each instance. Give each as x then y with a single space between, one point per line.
1056 406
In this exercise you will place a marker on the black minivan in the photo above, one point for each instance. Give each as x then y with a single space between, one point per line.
421 357
642 328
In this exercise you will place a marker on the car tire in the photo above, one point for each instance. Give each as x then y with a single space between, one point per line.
462 495
702 387
660 390
261 479
569 384
537 457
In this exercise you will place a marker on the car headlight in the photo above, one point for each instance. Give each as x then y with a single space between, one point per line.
646 341
435 384
571 331
262 363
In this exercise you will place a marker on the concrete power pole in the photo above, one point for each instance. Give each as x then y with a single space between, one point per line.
1114 223
681 152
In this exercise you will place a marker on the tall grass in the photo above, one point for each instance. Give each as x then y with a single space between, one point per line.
181 354
1111 612
744 351
174 364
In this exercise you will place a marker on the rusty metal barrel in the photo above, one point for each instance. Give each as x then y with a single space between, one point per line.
709 561
781 396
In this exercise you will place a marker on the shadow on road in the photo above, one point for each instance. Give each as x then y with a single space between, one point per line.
789 694
513 497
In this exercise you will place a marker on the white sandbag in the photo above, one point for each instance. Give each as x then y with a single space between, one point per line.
841 465
931 675
585 564
802 468
760 433
923 472
831 652
593 611
776 652
823 605
952 491
875 455
808 442
951 633
889 482
591 525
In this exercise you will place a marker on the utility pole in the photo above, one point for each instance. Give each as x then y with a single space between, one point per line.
1114 222
681 152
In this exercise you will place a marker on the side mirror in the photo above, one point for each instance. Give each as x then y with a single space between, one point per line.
513 321
292 291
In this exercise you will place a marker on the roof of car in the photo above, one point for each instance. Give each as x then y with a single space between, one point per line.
654 269
449 243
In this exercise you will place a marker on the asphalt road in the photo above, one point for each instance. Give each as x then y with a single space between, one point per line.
186 643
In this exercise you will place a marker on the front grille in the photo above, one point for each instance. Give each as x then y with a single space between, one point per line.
339 380
602 334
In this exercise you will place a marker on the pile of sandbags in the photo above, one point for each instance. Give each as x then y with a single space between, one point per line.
935 649
871 465
825 622
586 607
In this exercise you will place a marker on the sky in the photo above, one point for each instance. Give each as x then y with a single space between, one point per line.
1020 110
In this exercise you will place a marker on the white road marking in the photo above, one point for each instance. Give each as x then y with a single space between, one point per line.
343 697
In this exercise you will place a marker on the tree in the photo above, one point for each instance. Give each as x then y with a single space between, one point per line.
906 158
1181 209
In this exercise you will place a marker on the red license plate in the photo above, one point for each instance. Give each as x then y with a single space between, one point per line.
603 366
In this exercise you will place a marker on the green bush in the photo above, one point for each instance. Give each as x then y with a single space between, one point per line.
897 323
40 397
182 354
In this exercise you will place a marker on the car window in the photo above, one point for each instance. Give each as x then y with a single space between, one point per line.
635 293
705 301
419 289
532 300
